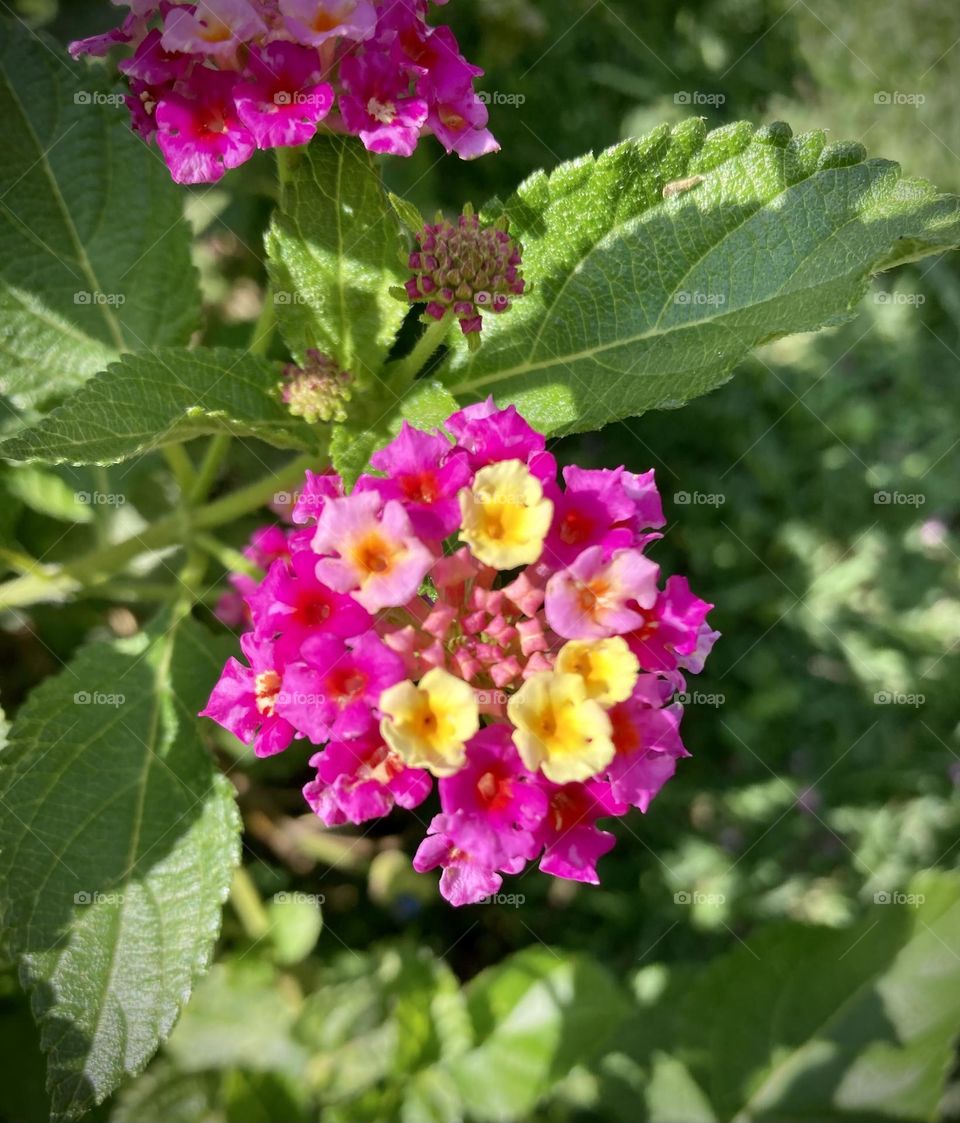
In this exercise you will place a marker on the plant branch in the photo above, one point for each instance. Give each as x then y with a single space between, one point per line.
59 583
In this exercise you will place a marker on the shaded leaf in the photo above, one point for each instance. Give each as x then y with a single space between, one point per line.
144 402
94 250
117 842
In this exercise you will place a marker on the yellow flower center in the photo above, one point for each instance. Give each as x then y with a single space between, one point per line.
504 515
559 728
428 725
608 667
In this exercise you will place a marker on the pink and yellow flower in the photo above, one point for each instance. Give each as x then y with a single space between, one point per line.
428 724
214 80
368 549
531 670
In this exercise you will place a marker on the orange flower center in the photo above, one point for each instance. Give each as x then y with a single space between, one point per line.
266 687
373 555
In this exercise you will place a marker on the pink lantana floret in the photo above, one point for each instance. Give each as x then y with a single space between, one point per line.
377 558
362 779
287 100
597 597
201 137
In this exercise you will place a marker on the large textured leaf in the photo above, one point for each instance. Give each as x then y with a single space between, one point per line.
818 1024
117 842
144 402
94 252
536 1016
641 301
333 257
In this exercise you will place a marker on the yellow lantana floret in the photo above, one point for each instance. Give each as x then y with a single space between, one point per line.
429 724
608 667
504 516
559 729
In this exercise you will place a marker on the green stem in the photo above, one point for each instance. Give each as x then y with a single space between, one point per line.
59 583
287 160
229 558
181 466
246 903
190 582
142 592
219 446
405 370
213 458
262 332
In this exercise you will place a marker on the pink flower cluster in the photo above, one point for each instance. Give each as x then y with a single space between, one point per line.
464 617
217 79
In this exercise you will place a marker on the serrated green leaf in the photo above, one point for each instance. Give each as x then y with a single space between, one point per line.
352 446
428 404
333 256
117 842
94 251
144 402
537 1014
640 301
817 1023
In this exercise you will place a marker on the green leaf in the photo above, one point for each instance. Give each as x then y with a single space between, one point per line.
144 402
117 841
333 256
352 446
816 1023
295 926
640 301
94 251
44 491
428 404
537 1015
239 1017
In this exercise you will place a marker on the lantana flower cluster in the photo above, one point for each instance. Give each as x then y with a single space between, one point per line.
215 80
463 618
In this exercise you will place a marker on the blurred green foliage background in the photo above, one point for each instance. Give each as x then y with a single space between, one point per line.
822 518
